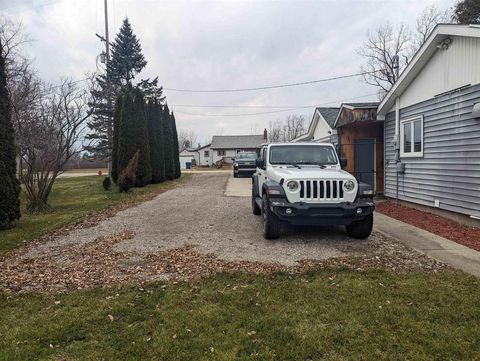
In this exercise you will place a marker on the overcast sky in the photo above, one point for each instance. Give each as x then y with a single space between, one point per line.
220 45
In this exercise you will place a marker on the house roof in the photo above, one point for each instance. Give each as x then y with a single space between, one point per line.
237 141
362 105
195 149
353 106
421 58
329 114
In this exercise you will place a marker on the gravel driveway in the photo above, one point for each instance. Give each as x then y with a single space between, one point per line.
192 229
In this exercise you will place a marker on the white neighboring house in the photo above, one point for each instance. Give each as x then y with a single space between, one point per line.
200 155
321 127
204 154
226 147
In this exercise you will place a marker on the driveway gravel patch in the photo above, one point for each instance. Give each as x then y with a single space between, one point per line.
190 231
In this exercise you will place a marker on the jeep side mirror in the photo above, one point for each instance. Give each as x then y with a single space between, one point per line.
343 162
260 163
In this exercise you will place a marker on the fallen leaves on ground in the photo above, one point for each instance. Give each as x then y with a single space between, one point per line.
99 264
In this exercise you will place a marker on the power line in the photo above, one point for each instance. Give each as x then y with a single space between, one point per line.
270 86
276 111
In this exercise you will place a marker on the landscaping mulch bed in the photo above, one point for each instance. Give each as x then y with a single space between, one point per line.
441 226
98 264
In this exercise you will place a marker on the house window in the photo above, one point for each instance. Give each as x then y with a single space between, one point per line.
221 152
206 154
411 135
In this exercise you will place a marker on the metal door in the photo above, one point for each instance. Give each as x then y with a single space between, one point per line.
364 165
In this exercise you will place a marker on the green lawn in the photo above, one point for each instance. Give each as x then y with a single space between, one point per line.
71 199
330 314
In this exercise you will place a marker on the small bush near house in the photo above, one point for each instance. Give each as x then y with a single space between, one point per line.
107 183
126 180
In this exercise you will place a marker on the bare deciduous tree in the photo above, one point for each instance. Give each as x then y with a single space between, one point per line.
390 46
13 40
380 51
426 22
186 139
286 130
275 131
49 134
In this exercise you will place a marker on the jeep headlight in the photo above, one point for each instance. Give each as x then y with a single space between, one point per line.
235 164
348 186
292 185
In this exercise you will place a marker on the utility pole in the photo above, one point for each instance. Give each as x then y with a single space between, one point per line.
109 89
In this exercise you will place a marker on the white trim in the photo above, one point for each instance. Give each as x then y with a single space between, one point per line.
411 120
421 57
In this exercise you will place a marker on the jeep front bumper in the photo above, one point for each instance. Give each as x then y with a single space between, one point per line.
321 214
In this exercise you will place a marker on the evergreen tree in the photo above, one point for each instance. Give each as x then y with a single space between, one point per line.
168 144
126 60
467 12
116 125
155 160
126 148
133 136
176 151
140 137
161 145
9 185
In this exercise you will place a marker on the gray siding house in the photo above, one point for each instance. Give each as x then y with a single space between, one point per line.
226 147
432 124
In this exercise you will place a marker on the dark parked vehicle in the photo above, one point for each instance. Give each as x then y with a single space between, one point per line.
244 164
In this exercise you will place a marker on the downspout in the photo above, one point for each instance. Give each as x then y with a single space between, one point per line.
397 140
396 69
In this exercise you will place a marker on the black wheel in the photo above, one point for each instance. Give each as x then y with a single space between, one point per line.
361 229
271 224
235 175
255 208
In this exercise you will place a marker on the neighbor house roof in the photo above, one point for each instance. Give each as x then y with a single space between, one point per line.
421 58
353 106
361 105
328 114
237 141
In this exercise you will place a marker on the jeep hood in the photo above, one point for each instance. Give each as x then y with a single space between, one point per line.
311 173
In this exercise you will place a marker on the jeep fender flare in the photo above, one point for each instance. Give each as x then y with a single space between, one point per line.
255 185
274 186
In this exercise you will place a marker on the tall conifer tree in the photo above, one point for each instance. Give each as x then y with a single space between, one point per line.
126 61
9 185
176 152
168 144
140 137
154 142
161 144
133 136
116 126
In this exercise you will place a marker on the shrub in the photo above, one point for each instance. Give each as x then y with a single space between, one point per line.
126 179
107 183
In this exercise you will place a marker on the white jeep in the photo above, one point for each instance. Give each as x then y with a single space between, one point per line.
304 184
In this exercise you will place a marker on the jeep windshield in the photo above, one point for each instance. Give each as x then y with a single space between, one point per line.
302 154
246 156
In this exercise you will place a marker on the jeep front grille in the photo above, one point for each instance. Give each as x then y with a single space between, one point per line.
321 190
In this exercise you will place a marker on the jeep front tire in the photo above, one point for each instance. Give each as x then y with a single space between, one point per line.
361 229
271 224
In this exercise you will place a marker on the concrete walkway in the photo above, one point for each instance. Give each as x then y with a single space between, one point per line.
239 187
437 247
